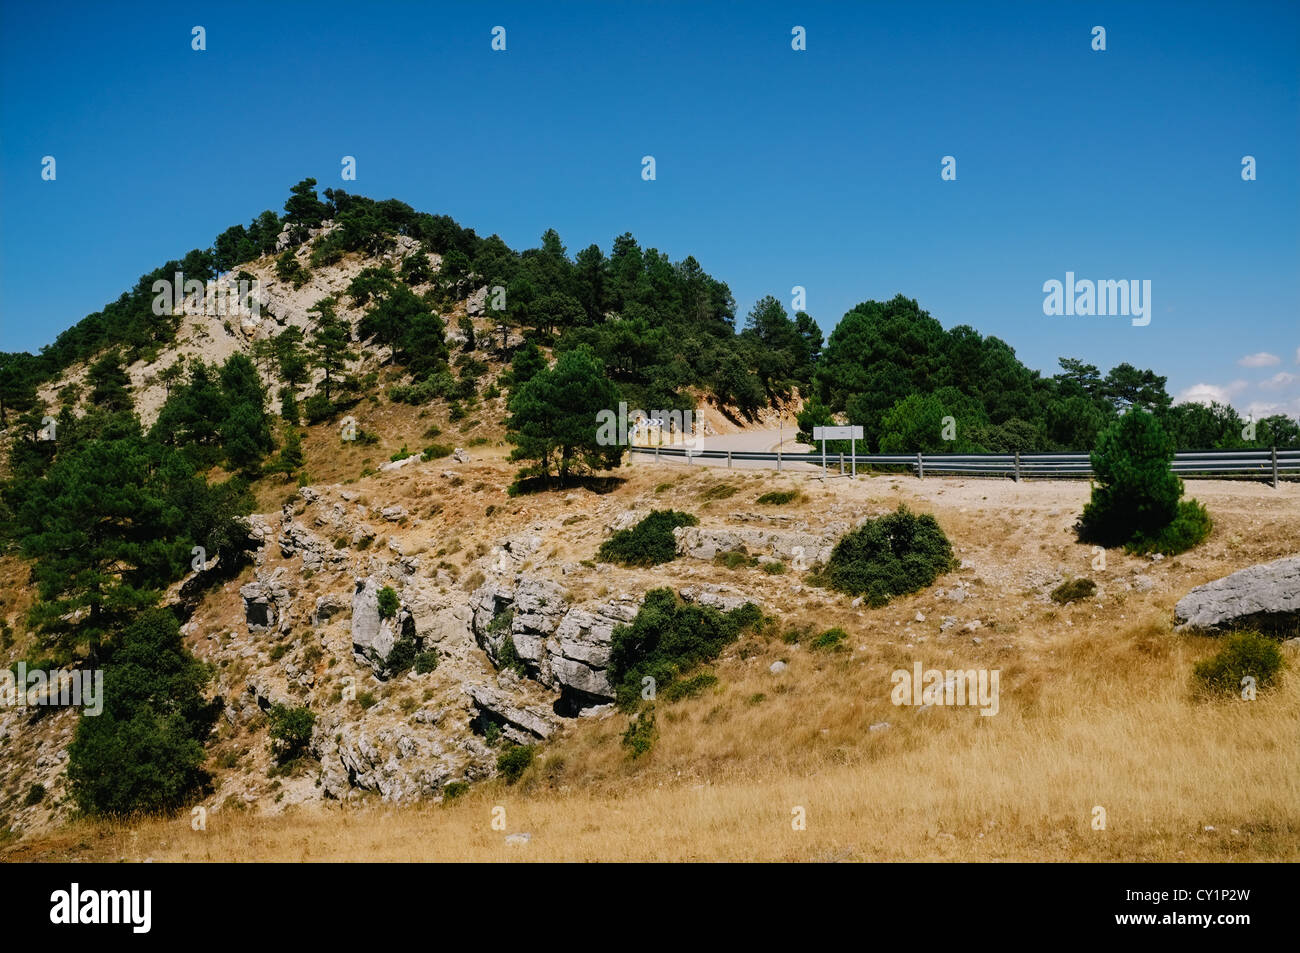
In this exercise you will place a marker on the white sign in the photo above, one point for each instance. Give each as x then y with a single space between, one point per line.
837 433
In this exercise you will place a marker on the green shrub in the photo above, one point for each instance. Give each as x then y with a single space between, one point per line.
454 789
401 658
720 491
648 543
735 559
1072 590
508 656
774 568
35 795
689 687
830 639
436 451
291 731
514 761
318 408
668 638
889 556
641 733
779 498
389 603
426 661
367 699
1135 501
400 455
1189 528
1243 653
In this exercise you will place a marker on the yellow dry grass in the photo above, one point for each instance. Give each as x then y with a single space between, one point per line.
1096 711
1107 724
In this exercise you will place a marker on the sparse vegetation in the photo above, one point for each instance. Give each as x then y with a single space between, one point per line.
1244 655
291 730
779 498
514 761
389 602
830 639
641 733
1072 590
648 543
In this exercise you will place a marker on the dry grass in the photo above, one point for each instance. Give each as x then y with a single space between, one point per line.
1095 707
1107 722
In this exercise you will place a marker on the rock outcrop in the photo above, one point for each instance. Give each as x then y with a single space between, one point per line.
373 636
562 646
1264 597
267 603
800 549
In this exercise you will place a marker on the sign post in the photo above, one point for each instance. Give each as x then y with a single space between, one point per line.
852 434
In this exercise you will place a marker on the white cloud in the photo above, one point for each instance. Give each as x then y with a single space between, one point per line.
1263 359
1210 393
1278 381
1258 409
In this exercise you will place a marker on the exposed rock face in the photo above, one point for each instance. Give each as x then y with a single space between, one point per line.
403 762
316 553
802 549
715 596
327 606
373 637
564 647
1266 597
267 602
523 725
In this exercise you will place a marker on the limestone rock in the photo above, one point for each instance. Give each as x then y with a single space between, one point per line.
1266 597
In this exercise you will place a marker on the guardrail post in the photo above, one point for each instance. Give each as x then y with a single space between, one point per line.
920 466
656 454
841 464
728 459
1017 466
1275 468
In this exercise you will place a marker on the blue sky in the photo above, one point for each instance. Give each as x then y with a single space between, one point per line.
775 168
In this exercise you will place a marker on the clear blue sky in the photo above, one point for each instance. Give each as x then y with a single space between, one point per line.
775 168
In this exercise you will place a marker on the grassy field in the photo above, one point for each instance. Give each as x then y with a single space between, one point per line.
1096 711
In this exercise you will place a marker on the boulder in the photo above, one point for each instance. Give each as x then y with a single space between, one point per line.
1264 597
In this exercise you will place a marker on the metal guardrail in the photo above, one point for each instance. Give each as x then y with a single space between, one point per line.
1269 464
